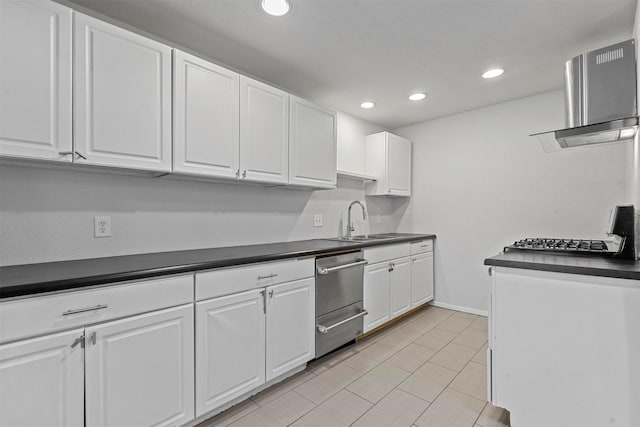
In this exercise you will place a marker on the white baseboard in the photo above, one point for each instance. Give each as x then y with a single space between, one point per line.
460 308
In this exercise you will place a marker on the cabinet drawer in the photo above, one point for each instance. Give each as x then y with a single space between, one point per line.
53 312
421 246
225 281
383 253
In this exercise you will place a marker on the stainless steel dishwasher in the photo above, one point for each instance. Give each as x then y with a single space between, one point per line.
339 310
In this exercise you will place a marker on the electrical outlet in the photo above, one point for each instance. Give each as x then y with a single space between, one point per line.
317 220
102 226
379 219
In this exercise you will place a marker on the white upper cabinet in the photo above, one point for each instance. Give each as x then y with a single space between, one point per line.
264 132
312 145
388 158
206 129
35 80
122 97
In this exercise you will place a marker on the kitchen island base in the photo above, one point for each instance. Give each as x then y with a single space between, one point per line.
564 349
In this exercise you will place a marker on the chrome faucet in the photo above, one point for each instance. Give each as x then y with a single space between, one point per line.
350 226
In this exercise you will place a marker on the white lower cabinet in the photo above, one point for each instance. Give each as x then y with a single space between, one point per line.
421 278
376 295
387 291
398 278
564 349
124 360
230 340
248 338
139 370
400 287
387 284
290 323
42 381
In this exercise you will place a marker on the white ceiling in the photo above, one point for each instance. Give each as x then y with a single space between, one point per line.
342 52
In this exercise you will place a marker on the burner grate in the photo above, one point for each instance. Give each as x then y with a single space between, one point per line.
562 245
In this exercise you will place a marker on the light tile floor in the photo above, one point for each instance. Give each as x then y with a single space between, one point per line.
429 369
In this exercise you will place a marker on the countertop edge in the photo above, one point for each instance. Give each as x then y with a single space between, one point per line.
80 282
569 269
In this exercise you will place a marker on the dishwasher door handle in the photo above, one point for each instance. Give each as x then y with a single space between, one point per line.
324 329
325 270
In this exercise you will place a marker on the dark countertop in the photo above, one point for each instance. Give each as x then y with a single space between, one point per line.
592 265
21 280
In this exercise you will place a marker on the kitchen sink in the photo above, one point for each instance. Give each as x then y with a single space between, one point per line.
368 238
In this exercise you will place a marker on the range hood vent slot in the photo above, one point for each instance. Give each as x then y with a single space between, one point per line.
612 55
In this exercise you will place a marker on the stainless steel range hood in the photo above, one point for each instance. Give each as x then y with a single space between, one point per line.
600 99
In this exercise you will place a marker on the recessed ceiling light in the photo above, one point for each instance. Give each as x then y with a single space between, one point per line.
419 96
495 72
368 104
276 7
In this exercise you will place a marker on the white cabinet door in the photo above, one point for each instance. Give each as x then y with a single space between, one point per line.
230 340
421 278
206 118
264 132
376 295
139 370
35 79
42 381
388 158
398 165
290 326
400 287
122 97
312 145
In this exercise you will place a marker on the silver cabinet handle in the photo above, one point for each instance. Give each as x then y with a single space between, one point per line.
66 153
325 329
271 293
238 173
92 338
83 310
79 340
268 276
244 173
424 246
325 270
263 294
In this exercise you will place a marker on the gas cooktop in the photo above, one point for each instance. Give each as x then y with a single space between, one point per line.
609 247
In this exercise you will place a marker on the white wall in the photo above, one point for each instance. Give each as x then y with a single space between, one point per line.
47 214
352 134
480 183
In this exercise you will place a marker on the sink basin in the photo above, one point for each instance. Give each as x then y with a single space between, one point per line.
363 238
